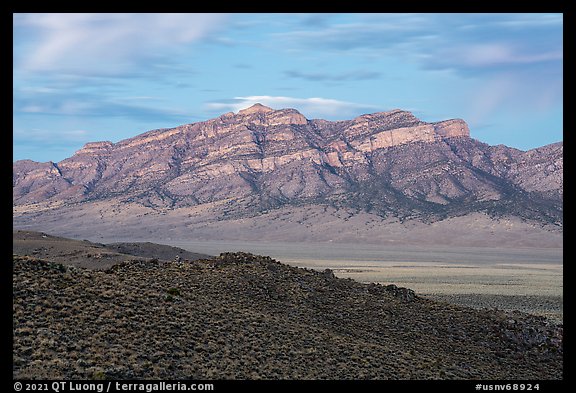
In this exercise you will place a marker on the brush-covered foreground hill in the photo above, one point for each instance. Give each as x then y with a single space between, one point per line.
241 316
83 253
232 175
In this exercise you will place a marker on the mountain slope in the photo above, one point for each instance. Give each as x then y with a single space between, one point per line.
389 164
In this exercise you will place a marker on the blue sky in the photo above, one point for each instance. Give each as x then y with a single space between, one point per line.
80 78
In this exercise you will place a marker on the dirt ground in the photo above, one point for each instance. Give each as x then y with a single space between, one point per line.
536 288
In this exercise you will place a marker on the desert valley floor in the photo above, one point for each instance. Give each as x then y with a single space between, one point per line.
525 279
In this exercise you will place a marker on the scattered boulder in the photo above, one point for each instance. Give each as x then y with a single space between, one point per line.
329 274
405 294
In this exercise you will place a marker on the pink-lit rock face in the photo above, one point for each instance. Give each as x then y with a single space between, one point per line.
388 162
452 128
263 115
95 147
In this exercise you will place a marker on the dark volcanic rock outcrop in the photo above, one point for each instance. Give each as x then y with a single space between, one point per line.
240 316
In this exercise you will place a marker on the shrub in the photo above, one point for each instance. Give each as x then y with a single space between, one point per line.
99 375
174 291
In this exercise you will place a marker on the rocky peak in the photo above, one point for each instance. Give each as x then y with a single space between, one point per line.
287 116
256 108
452 128
396 115
95 147
263 115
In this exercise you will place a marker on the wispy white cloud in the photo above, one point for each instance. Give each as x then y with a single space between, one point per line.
531 20
509 90
105 43
457 41
313 107
49 136
356 75
515 58
81 105
496 54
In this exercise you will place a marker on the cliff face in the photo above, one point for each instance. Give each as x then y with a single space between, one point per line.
387 163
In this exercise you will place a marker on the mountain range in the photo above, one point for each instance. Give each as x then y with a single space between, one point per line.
276 175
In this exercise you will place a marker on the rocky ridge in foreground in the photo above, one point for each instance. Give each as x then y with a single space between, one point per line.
89 255
241 316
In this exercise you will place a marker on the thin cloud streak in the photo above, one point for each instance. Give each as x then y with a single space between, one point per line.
81 105
359 75
312 107
448 40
